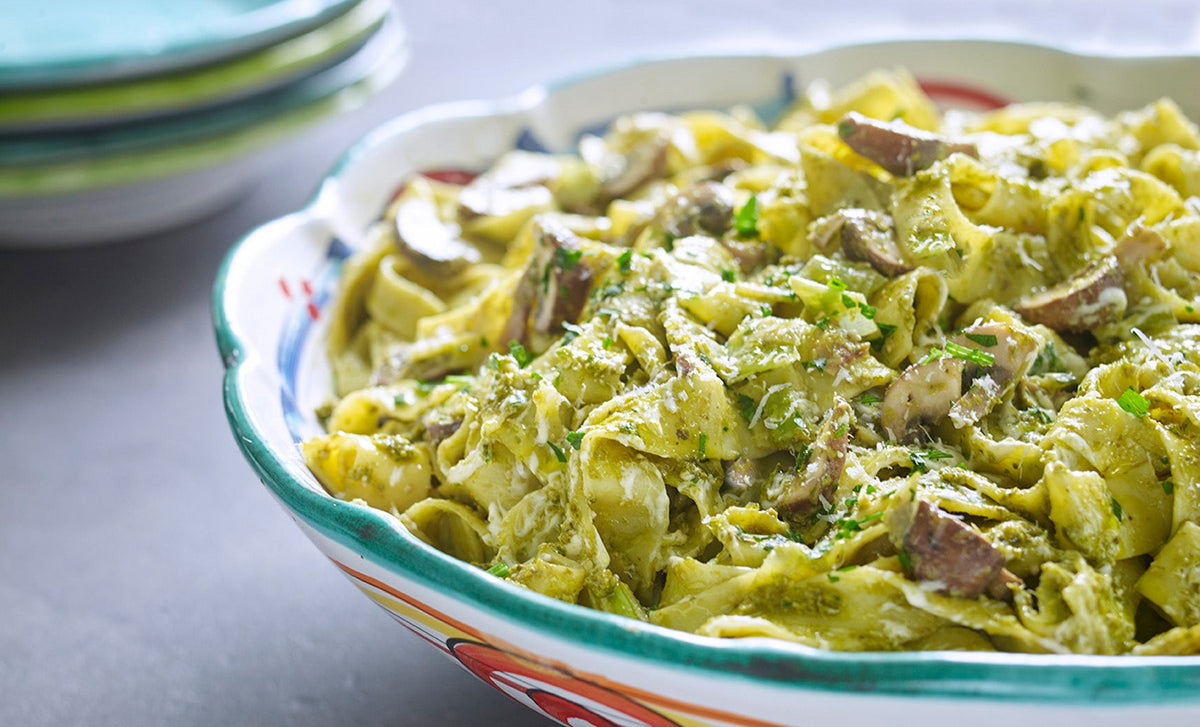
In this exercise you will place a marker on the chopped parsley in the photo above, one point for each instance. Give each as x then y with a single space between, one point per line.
462 381
1041 415
971 355
1168 486
841 430
802 457
500 570
746 220
572 332
611 290
1117 511
869 398
986 340
558 453
575 439
566 258
624 262
921 458
815 364
1134 403
728 275
885 330
747 407
523 357
701 443
905 560
848 526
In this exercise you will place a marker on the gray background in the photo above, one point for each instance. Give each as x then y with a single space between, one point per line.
146 578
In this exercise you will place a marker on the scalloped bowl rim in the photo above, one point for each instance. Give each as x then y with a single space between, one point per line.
382 540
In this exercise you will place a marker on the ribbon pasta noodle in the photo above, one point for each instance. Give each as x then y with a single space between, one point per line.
875 378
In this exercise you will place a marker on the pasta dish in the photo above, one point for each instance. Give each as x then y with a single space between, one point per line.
875 377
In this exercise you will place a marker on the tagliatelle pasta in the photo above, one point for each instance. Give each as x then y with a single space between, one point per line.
876 378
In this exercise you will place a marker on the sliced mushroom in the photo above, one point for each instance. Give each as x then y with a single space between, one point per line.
864 235
430 244
899 148
1090 298
645 161
1013 352
742 475
945 552
750 254
440 430
1140 243
798 494
518 181
567 279
554 287
924 393
704 208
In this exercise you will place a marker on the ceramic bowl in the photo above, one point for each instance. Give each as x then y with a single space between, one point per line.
582 667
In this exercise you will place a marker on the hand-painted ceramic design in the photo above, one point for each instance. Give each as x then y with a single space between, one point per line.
582 667
68 42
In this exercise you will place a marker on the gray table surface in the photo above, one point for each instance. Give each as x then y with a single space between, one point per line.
146 578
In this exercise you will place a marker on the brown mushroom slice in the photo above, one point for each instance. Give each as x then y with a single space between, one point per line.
941 550
742 475
431 245
562 297
924 393
1137 245
866 236
439 430
899 148
798 494
749 254
645 161
554 287
1089 298
518 181
1013 352
704 208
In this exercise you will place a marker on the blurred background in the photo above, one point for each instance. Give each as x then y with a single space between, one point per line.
146 578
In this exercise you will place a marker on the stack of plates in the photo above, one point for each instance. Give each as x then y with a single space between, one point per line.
131 116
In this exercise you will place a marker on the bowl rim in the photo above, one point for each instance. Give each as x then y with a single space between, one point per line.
383 541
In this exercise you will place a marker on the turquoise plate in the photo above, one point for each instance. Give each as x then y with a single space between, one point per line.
25 151
77 107
65 42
